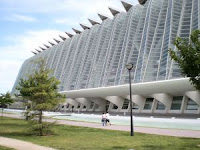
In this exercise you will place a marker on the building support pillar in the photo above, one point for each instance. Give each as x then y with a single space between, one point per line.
84 102
100 102
118 101
165 99
195 96
138 100
72 102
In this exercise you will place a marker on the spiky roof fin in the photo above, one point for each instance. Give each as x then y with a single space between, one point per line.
57 41
76 31
126 5
51 43
34 53
84 26
63 38
93 22
142 2
42 48
69 34
113 11
38 50
46 46
102 17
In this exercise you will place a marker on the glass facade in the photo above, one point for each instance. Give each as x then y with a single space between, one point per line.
176 103
125 104
97 56
115 106
148 104
191 105
92 105
160 106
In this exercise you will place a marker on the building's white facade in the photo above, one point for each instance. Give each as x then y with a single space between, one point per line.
94 59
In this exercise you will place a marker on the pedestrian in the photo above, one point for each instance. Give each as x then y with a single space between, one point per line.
108 118
103 119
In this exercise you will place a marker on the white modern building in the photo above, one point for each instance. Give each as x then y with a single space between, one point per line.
91 63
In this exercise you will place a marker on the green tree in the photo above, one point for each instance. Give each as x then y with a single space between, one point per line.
188 57
41 89
5 99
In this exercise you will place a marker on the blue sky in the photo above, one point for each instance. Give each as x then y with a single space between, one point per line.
28 24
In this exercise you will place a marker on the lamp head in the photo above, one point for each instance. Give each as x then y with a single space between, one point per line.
129 66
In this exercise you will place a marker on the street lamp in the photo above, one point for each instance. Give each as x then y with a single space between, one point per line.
129 67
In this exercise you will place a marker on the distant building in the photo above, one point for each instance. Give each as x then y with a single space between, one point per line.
91 63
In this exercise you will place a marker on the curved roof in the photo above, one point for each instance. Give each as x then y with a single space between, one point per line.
173 87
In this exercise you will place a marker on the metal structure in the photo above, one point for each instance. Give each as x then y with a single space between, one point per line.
96 56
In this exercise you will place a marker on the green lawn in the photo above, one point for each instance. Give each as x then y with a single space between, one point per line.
80 138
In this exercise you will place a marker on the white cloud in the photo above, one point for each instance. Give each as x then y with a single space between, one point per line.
13 56
80 11
56 6
69 12
66 21
17 17
9 70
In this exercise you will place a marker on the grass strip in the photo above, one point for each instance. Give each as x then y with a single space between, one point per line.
83 138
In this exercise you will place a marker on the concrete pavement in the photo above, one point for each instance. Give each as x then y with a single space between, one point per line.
21 145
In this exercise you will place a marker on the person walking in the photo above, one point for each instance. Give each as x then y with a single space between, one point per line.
108 118
103 119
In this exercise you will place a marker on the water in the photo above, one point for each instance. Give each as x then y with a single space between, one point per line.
168 123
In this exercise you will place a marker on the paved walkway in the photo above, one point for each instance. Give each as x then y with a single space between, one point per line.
21 145
157 131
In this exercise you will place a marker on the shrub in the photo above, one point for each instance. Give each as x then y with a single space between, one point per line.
46 127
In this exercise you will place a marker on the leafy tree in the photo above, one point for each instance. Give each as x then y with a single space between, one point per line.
42 90
5 99
188 57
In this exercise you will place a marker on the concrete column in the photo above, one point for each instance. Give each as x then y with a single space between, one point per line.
154 104
165 99
72 102
84 102
183 104
138 100
194 95
115 100
65 108
100 102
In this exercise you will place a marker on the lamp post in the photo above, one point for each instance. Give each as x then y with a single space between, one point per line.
129 67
